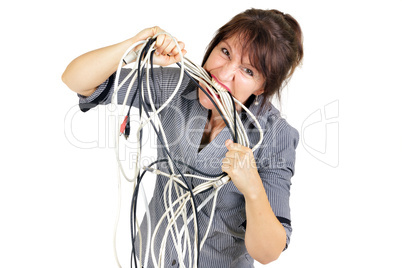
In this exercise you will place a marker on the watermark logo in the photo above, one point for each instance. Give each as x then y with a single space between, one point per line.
320 134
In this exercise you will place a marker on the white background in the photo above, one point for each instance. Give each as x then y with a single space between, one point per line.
58 200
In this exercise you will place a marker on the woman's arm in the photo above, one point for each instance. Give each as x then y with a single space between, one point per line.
85 73
265 237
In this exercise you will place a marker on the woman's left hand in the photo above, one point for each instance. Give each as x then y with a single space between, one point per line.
240 165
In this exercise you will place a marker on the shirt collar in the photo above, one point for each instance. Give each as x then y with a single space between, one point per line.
266 111
190 93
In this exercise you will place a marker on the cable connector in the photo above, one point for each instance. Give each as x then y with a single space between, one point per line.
125 127
131 56
148 169
221 181
153 170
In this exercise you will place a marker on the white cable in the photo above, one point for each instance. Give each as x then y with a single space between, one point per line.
174 208
155 118
116 224
120 168
148 214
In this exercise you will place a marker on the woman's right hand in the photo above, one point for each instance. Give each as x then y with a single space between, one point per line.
166 52
86 72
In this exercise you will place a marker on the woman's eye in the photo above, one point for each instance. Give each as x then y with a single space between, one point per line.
226 52
248 71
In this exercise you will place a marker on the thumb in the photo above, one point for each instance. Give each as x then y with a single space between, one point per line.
228 144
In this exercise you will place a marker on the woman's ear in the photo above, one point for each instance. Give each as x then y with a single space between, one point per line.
258 92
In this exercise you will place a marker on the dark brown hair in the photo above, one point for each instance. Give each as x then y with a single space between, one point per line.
273 41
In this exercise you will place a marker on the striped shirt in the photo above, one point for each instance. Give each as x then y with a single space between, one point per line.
184 121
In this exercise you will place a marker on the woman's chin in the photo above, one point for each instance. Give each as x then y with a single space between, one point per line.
205 101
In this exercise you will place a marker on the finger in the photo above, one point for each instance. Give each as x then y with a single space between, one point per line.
155 30
226 165
235 155
148 32
225 169
176 49
163 48
231 146
228 144
226 160
159 40
177 57
158 44
169 49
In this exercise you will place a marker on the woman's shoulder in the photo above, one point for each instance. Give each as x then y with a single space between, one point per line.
277 127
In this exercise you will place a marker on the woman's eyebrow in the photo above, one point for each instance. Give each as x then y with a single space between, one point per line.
247 63
227 44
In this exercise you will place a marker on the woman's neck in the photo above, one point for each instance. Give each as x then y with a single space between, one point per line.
215 120
212 128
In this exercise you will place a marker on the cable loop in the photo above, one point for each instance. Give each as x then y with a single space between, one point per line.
177 186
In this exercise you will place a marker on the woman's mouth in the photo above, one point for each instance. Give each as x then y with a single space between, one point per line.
218 85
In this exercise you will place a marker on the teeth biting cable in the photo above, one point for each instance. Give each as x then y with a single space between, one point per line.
217 86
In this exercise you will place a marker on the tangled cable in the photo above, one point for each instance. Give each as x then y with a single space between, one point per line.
177 181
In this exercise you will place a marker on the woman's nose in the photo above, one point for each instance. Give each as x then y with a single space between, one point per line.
227 72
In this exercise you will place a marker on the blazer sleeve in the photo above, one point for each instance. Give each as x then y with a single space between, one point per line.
276 166
161 87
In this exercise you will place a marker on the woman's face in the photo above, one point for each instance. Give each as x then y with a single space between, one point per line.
232 71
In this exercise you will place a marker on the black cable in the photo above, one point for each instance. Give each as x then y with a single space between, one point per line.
139 78
199 171
133 211
168 154
234 116
127 132
139 178
181 174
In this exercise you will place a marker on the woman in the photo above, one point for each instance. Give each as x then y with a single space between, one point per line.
252 56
